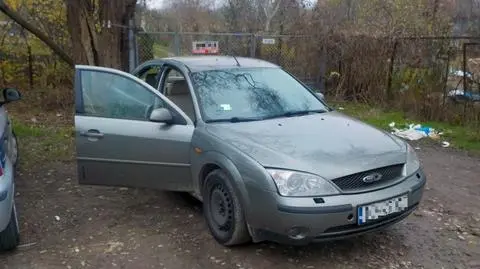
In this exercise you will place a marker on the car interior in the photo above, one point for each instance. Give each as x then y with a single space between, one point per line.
152 79
176 89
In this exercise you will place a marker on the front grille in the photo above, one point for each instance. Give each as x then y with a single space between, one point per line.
355 182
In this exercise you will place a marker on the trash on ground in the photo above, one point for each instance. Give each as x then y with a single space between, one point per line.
416 132
27 245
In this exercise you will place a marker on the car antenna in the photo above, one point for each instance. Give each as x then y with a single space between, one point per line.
238 64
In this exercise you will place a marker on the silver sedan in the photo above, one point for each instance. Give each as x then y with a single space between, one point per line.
267 156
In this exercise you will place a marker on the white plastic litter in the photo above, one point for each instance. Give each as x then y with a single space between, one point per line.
410 134
416 132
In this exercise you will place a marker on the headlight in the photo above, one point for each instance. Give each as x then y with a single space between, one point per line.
413 164
290 183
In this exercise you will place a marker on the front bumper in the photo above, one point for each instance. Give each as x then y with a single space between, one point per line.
324 218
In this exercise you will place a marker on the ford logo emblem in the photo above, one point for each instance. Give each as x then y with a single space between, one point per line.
372 178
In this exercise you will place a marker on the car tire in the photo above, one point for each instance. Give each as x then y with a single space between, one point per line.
223 210
10 237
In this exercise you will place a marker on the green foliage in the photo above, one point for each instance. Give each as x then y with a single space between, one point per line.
416 79
160 51
43 142
25 56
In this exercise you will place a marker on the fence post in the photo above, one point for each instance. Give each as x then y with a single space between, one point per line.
131 46
136 47
322 69
176 44
465 81
253 45
445 83
390 72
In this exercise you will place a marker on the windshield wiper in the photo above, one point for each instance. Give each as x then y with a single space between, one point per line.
297 113
234 120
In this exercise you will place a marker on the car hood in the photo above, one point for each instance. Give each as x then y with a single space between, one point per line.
330 144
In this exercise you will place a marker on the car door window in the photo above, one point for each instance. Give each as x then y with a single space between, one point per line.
175 88
112 96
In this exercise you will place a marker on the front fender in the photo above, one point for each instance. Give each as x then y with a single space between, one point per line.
227 165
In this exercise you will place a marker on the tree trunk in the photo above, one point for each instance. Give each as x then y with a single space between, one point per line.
99 31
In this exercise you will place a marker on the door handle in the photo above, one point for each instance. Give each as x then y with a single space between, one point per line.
92 133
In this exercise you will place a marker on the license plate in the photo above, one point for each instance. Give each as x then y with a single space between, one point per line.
375 211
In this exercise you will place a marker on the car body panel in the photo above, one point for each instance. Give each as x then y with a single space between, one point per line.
130 152
7 184
7 194
319 219
134 153
330 145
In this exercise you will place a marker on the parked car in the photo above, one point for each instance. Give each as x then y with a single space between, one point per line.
9 230
269 159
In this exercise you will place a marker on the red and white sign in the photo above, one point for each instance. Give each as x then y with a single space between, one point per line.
205 47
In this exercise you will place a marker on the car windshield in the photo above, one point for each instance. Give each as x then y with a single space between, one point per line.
243 94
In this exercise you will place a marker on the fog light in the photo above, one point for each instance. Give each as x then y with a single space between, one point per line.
297 233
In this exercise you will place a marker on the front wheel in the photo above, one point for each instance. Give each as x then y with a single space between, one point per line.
223 211
10 237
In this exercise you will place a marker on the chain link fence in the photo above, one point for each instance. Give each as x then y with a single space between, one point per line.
414 74
290 52
429 77
422 76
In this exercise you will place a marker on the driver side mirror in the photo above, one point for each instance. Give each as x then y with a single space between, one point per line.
161 115
11 95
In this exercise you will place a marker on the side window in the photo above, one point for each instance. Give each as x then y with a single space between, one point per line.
114 96
151 75
175 88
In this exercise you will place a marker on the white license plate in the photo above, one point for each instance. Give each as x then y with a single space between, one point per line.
375 211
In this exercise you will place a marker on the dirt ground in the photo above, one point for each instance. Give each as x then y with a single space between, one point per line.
65 225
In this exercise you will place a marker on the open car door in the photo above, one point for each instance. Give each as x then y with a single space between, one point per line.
116 142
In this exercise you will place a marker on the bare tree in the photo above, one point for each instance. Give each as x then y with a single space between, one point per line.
270 9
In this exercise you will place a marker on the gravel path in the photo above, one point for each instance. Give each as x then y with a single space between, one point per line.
65 225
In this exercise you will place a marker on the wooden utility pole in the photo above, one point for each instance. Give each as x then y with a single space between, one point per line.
34 30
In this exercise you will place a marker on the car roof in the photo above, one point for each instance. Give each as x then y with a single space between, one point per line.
214 62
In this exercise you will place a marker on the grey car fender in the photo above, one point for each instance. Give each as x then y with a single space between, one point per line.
222 161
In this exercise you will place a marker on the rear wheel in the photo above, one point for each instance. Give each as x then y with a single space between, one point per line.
223 210
10 237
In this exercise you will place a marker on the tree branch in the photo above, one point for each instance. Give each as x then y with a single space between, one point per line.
31 28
